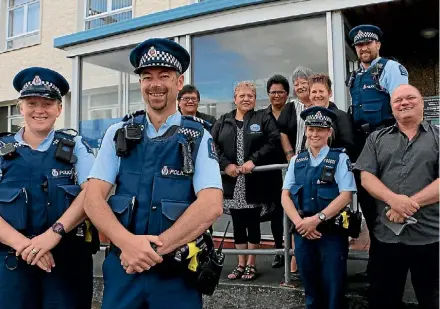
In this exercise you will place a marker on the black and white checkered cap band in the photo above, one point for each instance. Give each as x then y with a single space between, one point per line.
160 58
362 36
44 83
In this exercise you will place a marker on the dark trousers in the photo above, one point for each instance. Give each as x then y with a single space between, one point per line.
322 265
149 289
389 265
276 225
246 224
69 285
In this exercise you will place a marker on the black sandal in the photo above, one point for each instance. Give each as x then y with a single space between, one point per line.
250 272
237 273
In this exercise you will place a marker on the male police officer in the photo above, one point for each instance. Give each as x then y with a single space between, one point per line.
168 188
373 83
370 88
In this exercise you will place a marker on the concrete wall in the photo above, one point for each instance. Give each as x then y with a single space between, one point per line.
144 7
53 24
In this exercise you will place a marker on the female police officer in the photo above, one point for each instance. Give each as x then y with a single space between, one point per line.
41 173
318 185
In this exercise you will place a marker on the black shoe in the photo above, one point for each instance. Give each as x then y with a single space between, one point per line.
359 277
294 276
278 261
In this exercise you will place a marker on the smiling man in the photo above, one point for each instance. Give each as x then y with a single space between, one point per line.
399 167
371 87
168 192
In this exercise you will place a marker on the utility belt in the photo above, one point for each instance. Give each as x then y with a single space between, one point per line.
347 222
366 129
197 261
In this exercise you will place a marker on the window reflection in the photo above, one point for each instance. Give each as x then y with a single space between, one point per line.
222 60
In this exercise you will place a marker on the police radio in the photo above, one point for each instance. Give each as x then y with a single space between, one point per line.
210 271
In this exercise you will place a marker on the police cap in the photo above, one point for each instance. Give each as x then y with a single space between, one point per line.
159 52
40 82
365 33
318 116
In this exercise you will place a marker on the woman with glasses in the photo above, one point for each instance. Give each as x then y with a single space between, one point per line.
189 98
246 138
44 242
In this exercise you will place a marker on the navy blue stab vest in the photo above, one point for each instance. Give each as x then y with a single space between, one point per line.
35 188
370 103
152 191
309 194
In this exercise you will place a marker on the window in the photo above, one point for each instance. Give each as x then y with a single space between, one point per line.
221 60
23 23
103 12
10 118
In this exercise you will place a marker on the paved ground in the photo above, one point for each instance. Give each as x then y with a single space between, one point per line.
270 281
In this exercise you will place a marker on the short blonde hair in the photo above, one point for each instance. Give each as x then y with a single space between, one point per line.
245 84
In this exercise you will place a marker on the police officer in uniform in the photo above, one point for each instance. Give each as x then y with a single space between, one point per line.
43 172
168 192
371 87
318 185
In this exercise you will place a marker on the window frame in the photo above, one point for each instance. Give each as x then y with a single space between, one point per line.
12 117
108 12
26 33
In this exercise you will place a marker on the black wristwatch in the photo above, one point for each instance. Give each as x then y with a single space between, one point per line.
58 228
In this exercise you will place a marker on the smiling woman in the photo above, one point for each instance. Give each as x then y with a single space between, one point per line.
53 157
246 138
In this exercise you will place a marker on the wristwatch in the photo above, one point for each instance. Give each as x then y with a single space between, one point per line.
321 216
58 228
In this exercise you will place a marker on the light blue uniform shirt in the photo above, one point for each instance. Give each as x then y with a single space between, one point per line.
85 158
343 176
106 167
393 75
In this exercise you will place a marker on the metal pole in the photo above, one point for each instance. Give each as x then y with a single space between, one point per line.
287 245
287 240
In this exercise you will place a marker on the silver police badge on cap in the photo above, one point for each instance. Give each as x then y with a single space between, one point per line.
152 52
37 81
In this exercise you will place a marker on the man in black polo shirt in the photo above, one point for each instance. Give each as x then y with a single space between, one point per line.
400 167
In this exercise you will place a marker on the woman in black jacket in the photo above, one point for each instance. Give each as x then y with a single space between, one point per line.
320 93
246 138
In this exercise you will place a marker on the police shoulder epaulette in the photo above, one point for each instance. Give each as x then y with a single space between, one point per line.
68 132
133 115
205 124
343 150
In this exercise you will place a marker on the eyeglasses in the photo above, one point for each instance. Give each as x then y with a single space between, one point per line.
189 99
274 93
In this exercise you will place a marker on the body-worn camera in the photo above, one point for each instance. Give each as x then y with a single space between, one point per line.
8 151
327 174
64 151
126 137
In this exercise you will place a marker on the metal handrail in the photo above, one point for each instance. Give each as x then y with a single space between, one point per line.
287 251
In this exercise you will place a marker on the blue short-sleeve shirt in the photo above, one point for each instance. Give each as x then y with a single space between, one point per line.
344 176
85 158
206 174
